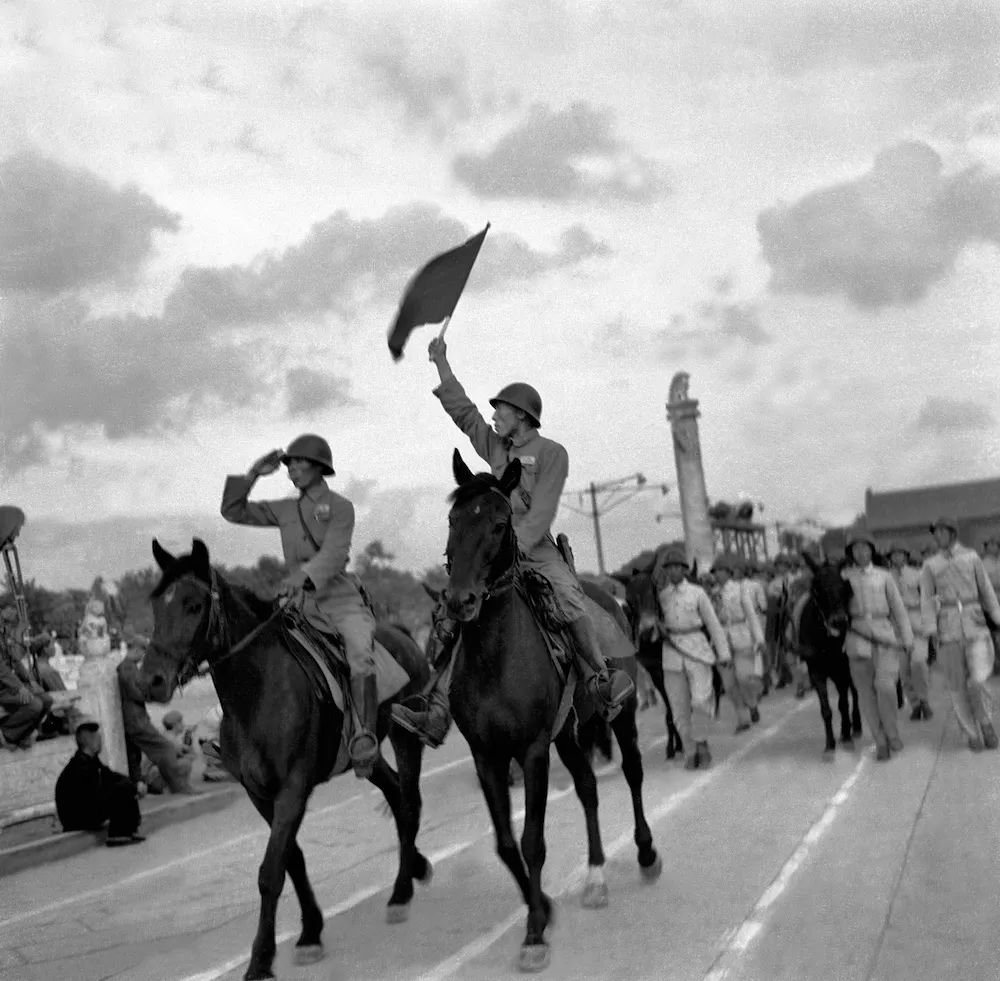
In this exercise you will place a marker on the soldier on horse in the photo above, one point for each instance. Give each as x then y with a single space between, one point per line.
544 465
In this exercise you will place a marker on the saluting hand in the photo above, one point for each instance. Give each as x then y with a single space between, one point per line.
266 464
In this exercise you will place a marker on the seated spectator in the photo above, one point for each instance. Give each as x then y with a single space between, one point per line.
88 793
211 750
142 737
183 740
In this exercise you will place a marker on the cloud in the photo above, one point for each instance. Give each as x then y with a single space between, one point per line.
946 416
561 155
63 228
308 391
886 237
62 366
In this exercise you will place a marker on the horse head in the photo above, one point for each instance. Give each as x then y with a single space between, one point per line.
481 541
183 604
831 593
643 605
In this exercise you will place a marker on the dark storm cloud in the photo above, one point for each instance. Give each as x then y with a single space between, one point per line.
64 228
886 237
308 390
948 416
562 154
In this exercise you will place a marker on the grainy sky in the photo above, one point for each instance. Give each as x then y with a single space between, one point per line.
208 212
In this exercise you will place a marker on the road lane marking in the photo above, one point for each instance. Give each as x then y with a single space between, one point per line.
484 941
751 927
200 854
214 973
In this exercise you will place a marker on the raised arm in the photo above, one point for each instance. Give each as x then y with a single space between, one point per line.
236 508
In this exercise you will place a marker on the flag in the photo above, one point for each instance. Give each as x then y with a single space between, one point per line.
433 293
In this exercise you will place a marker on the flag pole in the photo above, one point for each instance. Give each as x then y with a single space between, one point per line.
444 327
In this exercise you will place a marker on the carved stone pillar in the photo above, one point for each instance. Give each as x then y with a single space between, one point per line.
682 412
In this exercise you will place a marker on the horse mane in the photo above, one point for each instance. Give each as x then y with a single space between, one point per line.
476 487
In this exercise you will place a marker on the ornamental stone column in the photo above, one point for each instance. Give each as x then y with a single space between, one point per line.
682 411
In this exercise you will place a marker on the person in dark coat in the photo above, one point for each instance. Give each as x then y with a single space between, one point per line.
88 793
26 705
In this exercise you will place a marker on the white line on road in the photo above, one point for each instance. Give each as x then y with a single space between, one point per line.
195 856
484 941
214 973
748 930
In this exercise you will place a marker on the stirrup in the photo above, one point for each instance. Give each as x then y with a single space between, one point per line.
362 758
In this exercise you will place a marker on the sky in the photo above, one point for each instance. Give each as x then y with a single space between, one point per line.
209 212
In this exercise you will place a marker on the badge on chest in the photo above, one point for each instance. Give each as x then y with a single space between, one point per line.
322 511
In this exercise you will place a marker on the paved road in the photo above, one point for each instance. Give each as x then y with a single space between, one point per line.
777 866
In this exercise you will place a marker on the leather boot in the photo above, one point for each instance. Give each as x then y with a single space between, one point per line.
364 743
703 754
611 688
429 717
989 736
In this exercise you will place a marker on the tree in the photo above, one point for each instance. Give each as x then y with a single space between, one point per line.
373 556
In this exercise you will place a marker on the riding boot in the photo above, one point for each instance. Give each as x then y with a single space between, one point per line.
364 744
610 687
432 720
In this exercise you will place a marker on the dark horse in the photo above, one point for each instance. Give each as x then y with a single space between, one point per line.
643 610
277 738
505 695
822 632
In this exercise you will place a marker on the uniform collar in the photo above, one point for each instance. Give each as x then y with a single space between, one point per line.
517 441
317 491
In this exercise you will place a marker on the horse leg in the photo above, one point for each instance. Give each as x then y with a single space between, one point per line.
818 679
535 949
387 780
855 710
595 890
284 814
650 863
674 743
844 707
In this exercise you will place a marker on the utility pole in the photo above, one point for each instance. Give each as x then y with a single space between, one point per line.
618 491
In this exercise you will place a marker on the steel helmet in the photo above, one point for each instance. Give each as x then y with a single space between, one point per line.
945 522
723 563
858 534
674 556
522 397
310 447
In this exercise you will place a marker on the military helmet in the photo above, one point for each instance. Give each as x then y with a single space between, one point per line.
945 522
522 397
723 563
674 556
782 558
313 448
859 534
897 547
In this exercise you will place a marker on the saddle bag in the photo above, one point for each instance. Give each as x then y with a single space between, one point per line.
541 598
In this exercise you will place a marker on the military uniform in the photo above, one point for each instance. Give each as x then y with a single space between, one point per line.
956 594
688 657
316 534
745 637
879 627
21 697
991 563
913 664
544 466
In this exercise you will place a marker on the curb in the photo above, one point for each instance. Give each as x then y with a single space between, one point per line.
67 843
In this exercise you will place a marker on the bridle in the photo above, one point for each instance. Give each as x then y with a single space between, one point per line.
508 577
216 636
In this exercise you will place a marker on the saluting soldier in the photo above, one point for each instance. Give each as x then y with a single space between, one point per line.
514 435
745 637
687 655
957 590
913 669
316 534
878 630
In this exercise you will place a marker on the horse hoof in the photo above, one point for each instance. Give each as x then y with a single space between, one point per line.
397 913
308 954
848 744
651 873
595 896
261 974
425 879
533 958
829 755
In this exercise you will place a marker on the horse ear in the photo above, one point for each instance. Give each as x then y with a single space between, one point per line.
199 556
511 476
434 594
462 473
163 558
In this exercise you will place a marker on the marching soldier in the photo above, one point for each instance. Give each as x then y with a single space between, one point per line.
991 563
778 599
955 580
913 665
316 534
878 630
687 655
753 585
746 640
544 465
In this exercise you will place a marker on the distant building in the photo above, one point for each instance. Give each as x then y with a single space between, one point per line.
904 515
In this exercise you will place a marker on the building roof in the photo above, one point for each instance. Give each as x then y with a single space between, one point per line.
921 505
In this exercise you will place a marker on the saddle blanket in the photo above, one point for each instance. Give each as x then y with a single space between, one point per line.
389 679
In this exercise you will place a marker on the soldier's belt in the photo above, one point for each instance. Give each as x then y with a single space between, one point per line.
683 630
